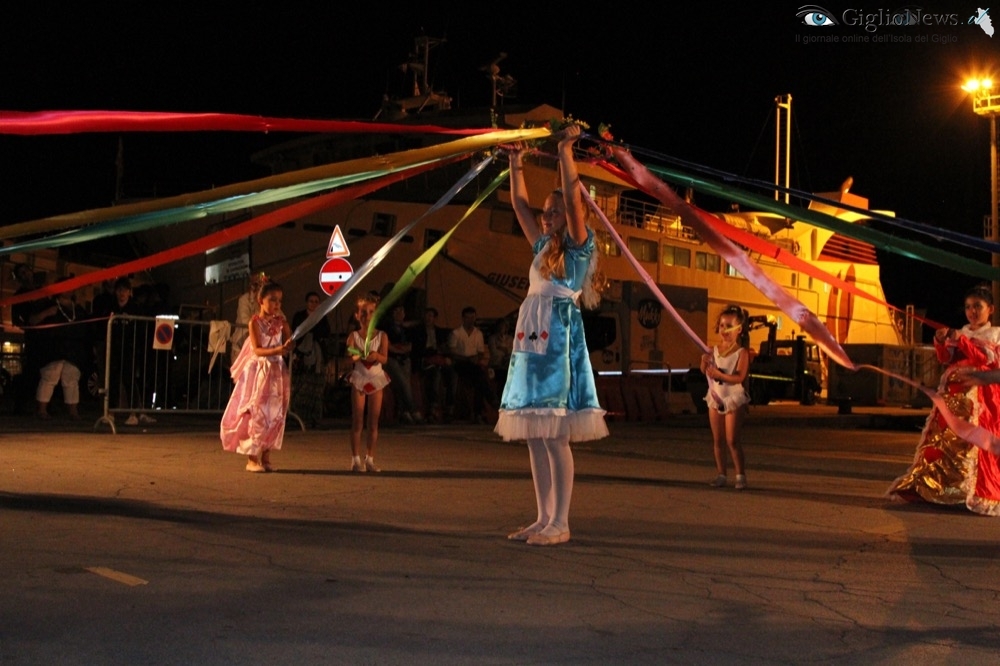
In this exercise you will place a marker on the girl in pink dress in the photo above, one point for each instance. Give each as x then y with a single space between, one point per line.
367 381
254 421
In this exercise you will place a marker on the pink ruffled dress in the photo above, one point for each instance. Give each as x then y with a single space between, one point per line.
254 420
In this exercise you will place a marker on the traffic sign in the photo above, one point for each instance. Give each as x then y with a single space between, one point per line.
334 274
338 246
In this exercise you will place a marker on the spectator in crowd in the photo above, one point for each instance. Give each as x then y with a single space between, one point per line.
21 314
309 364
123 361
399 367
430 356
470 359
104 301
65 351
246 308
501 344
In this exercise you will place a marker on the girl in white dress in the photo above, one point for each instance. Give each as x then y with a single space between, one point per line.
726 369
367 379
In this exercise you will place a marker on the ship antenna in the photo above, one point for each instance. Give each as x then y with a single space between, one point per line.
783 103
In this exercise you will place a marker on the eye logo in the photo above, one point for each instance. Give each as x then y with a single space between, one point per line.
816 16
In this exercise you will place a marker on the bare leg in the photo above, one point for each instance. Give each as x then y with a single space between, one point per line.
357 420
734 424
718 423
374 412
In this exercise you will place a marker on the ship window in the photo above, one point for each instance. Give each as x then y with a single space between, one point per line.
732 272
503 221
432 236
383 224
644 250
607 246
676 256
704 261
795 279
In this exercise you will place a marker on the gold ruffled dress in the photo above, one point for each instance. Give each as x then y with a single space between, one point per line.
946 468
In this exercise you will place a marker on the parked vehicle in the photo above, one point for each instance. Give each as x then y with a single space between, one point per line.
784 369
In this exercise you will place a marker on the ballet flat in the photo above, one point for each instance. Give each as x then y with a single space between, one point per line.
522 534
254 467
546 540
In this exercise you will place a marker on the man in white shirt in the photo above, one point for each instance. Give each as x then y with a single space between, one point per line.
470 359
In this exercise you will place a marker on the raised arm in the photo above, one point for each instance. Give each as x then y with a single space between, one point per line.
519 197
576 212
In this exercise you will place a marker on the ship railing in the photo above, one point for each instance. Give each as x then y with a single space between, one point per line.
632 212
156 367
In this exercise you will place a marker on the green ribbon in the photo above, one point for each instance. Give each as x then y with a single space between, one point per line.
901 246
152 220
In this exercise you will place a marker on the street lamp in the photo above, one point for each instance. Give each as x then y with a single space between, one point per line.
986 102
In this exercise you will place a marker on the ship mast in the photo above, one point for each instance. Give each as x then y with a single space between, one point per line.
783 149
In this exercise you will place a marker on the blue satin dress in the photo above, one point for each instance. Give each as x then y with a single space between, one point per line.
550 391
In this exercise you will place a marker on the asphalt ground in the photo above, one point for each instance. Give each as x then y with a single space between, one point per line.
153 546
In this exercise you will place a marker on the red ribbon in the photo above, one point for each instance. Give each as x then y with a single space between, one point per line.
74 122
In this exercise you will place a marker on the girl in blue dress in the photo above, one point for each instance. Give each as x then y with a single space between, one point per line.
550 398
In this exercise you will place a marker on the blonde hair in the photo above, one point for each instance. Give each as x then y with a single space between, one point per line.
553 265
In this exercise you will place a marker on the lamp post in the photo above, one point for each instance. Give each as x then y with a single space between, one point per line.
986 102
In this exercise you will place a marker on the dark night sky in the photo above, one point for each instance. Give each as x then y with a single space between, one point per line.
695 82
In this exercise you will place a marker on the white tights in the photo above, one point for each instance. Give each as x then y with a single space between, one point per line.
552 472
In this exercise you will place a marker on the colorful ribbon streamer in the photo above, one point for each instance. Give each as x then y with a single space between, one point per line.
36 123
888 242
146 221
765 248
937 233
219 238
382 163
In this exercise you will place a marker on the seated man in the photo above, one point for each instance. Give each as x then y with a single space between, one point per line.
398 365
429 358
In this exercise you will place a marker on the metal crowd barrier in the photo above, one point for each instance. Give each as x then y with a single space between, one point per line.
158 366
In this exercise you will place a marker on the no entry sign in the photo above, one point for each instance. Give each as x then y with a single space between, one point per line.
334 273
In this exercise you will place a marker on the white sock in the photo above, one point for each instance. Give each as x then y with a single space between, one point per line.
561 462
541 475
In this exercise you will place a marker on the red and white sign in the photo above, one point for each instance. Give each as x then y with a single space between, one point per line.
338 246
334 274
163 334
